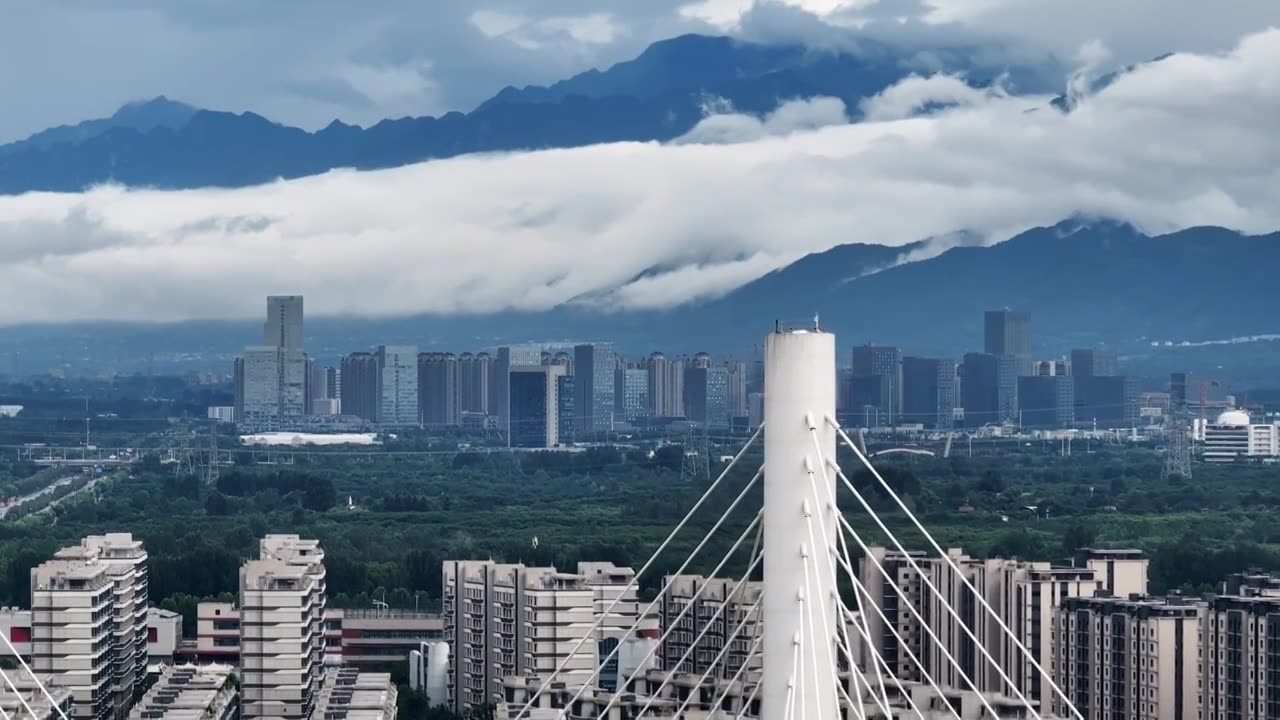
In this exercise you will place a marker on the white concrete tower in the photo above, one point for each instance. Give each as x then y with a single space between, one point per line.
799 611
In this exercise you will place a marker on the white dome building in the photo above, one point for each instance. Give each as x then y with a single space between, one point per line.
1233 418
1234 437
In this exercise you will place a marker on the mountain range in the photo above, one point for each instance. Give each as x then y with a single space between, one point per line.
1085 283
659 95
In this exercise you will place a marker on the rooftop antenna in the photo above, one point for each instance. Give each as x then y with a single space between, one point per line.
777 327
815 323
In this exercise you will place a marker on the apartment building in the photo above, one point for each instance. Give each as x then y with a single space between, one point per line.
190 692
1024 595
26 695
98 651
71 633
348 693
1135 657
699 599
1240 655
282 600
164 633
506 620
892 596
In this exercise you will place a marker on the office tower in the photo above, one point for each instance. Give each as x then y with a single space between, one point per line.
869 396
283 328
439 389
631 394
593 381
503 620
308 379
1007 332
271 384
397 385
928 391
1094 362
333 381
359 394
564 406
1046 402
475 374
509 357
1134 658
1106 401
706 394
533 405
700 360
737 388
282 601
871 360
1052 368
716 593
988 389
89 623
1178 390
318 385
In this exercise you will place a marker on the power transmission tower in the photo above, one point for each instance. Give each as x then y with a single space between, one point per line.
211 463
182 453
1177 457
696 464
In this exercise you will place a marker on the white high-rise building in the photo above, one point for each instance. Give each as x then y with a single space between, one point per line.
282 600
89 622
283 328
398 385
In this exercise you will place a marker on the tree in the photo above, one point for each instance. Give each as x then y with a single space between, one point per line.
1077 536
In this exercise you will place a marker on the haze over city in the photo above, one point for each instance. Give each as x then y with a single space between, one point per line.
646 360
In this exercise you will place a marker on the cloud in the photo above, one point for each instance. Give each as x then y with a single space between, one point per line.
790 117
915 93
1186 141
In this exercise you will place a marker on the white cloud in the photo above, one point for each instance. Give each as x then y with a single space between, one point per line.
790 117
916 93
1186 141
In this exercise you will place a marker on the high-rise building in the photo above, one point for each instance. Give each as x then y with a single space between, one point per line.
333 379
439 389
533 404
1094 362
510 620
868 398
1052 368
564 406
631 394
737 389
1007 332
706 394
475 373
1108 401
593 384
1134 657
1240 652
869 360
735 608
318 385
359 391
282 601
89 623
928 391
397 385
1178 390
283 328
1046 402
666 386
509 357
988 389
271 380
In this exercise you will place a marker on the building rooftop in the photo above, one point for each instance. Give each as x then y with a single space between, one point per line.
70 575
188 692
1233 418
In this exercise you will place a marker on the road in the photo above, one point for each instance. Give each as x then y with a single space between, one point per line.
60 482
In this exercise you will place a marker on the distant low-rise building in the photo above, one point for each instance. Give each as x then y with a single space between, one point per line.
1233 436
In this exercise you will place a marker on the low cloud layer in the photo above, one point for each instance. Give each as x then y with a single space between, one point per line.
1185 141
